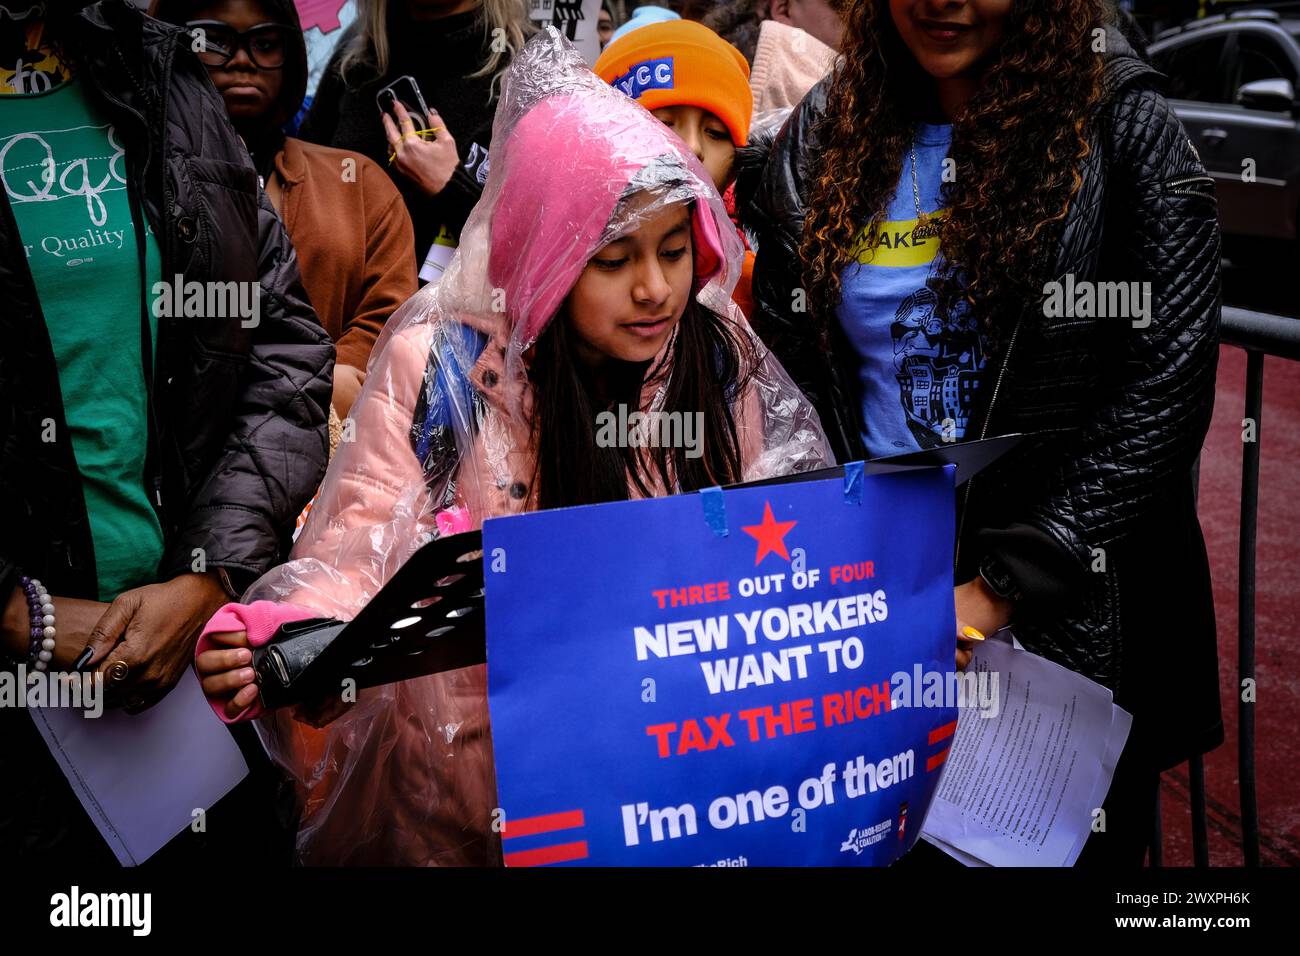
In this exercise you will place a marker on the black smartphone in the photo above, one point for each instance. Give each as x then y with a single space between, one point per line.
404 92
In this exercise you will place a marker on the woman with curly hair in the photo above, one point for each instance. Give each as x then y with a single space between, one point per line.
988 221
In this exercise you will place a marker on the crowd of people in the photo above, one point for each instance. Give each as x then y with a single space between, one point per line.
824 225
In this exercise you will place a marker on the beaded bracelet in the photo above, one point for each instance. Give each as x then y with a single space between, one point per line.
41 611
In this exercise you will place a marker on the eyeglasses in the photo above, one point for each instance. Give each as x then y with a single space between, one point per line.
218 43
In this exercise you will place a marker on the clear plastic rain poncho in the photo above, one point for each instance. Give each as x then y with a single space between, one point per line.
443 440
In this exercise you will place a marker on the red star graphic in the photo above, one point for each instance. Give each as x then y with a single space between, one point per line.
770 535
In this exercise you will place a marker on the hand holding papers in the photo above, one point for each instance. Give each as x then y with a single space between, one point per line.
1023 782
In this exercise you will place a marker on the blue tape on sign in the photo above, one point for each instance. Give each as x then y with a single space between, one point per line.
853 483
715 510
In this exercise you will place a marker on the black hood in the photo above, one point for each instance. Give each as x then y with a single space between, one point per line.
294 88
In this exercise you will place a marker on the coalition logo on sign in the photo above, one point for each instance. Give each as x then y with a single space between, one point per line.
859 839
648 75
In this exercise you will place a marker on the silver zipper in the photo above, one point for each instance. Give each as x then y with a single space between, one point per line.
984 430
1190 179
1179 186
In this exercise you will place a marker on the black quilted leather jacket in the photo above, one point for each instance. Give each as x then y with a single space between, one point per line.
1097 526
238 431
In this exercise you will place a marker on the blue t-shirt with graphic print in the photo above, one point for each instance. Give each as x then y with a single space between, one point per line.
918 369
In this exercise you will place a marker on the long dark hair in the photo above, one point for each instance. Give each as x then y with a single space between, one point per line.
1016 145
707 369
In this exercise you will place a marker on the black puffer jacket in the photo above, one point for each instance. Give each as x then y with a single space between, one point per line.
1097 526
238 430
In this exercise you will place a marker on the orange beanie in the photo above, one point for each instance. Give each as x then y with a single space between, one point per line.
682 63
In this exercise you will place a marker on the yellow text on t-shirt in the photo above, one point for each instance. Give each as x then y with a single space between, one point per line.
900 243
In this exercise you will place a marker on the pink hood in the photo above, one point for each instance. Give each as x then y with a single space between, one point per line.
564 167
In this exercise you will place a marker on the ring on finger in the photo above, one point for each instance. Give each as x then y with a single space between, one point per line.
118 671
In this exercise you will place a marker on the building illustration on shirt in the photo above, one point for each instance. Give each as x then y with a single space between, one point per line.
920 352
937 359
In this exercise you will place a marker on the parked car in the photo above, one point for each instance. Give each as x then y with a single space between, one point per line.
1232 79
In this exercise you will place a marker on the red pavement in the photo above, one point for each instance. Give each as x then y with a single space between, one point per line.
1277 622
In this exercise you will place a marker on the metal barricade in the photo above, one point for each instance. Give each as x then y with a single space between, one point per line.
1259 334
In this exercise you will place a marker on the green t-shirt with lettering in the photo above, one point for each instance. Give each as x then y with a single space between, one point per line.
64 172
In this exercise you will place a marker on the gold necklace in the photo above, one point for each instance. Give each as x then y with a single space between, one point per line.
926 227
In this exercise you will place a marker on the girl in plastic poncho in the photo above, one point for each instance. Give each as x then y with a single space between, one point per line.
595 272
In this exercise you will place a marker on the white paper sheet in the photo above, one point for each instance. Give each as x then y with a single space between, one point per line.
1020 788
140 778
1121 723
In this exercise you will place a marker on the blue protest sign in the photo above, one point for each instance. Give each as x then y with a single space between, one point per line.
747 676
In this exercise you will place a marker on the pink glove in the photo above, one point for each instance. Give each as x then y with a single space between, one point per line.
453 520
260 620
